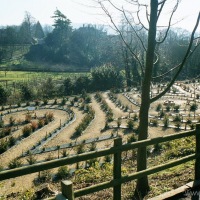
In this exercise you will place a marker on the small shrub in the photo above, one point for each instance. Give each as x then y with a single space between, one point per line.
63 172
130 124
135 117
178 125
28 194
166 121
119 122
126 108
131 138
41 123
28 118
189 121
26 131
12 141
80 149
91 162
157 147
55 102
64 153
1 123
79 129
31 159
49 157
76 99
177 118
63 102
88 99
106 127
168 107
162 113
15 163
176 108
108 158
71 102
45 176
193 107
11 121
192 126
34 125
3 146
158 107
93 146
109 117
45 101
37 103
6 131
49 116
154 122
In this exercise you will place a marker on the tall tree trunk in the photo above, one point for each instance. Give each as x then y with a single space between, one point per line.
127 67
136 77
142 184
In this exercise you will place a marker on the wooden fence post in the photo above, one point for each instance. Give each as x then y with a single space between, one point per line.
67 189
117 170
197 162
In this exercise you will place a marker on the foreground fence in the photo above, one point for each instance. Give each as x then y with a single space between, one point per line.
118 179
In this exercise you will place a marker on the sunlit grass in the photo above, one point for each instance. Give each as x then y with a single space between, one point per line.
23 75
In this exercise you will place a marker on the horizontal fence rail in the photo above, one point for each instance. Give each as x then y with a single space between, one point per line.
116 151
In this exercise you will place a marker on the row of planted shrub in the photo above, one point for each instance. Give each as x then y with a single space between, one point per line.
34 103
34 125
85 121
82 148
26 131
104 107
6 144
6 130
63 101
114 99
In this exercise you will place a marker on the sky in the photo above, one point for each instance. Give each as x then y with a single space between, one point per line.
80 11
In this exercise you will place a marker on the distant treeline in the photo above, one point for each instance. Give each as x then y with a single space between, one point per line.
62 48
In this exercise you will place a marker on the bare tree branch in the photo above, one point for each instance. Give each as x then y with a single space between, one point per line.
162 3
134 30
138 16
187 55
115 6
121 35
147 14
170 19
157 58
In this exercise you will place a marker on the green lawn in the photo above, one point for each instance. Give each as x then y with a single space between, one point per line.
25 76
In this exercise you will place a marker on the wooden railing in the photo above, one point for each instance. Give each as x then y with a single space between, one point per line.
118 180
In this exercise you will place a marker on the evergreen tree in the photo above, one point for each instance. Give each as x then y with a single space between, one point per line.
39 33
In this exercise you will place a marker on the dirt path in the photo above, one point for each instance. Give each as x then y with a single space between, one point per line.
98 123
116 111
126 102
159 131
65 135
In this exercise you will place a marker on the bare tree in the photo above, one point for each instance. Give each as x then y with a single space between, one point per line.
153 11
